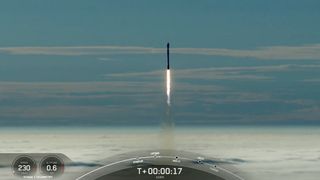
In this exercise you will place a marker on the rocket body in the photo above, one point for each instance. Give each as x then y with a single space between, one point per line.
168 60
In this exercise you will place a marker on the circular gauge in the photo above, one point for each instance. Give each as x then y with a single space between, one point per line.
52 166
24 166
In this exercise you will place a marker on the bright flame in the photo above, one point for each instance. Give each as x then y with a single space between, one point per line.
168 86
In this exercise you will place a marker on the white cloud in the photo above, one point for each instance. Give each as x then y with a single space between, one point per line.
222 73
80 50
309 52
271 52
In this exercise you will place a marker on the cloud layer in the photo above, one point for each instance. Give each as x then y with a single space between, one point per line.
307 52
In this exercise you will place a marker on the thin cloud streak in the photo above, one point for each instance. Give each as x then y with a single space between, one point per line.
222 73
306 52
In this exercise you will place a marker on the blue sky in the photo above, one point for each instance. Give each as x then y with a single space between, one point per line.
101 62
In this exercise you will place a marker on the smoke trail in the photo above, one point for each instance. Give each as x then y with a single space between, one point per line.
168 125
168 87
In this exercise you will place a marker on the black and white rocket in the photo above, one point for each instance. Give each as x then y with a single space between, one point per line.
168 60
168 74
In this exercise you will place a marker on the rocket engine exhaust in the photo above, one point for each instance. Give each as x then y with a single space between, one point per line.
168 86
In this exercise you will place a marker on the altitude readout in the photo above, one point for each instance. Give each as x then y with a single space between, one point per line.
160 171
52 166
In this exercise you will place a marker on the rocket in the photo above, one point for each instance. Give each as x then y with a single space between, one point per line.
168 74
168 61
